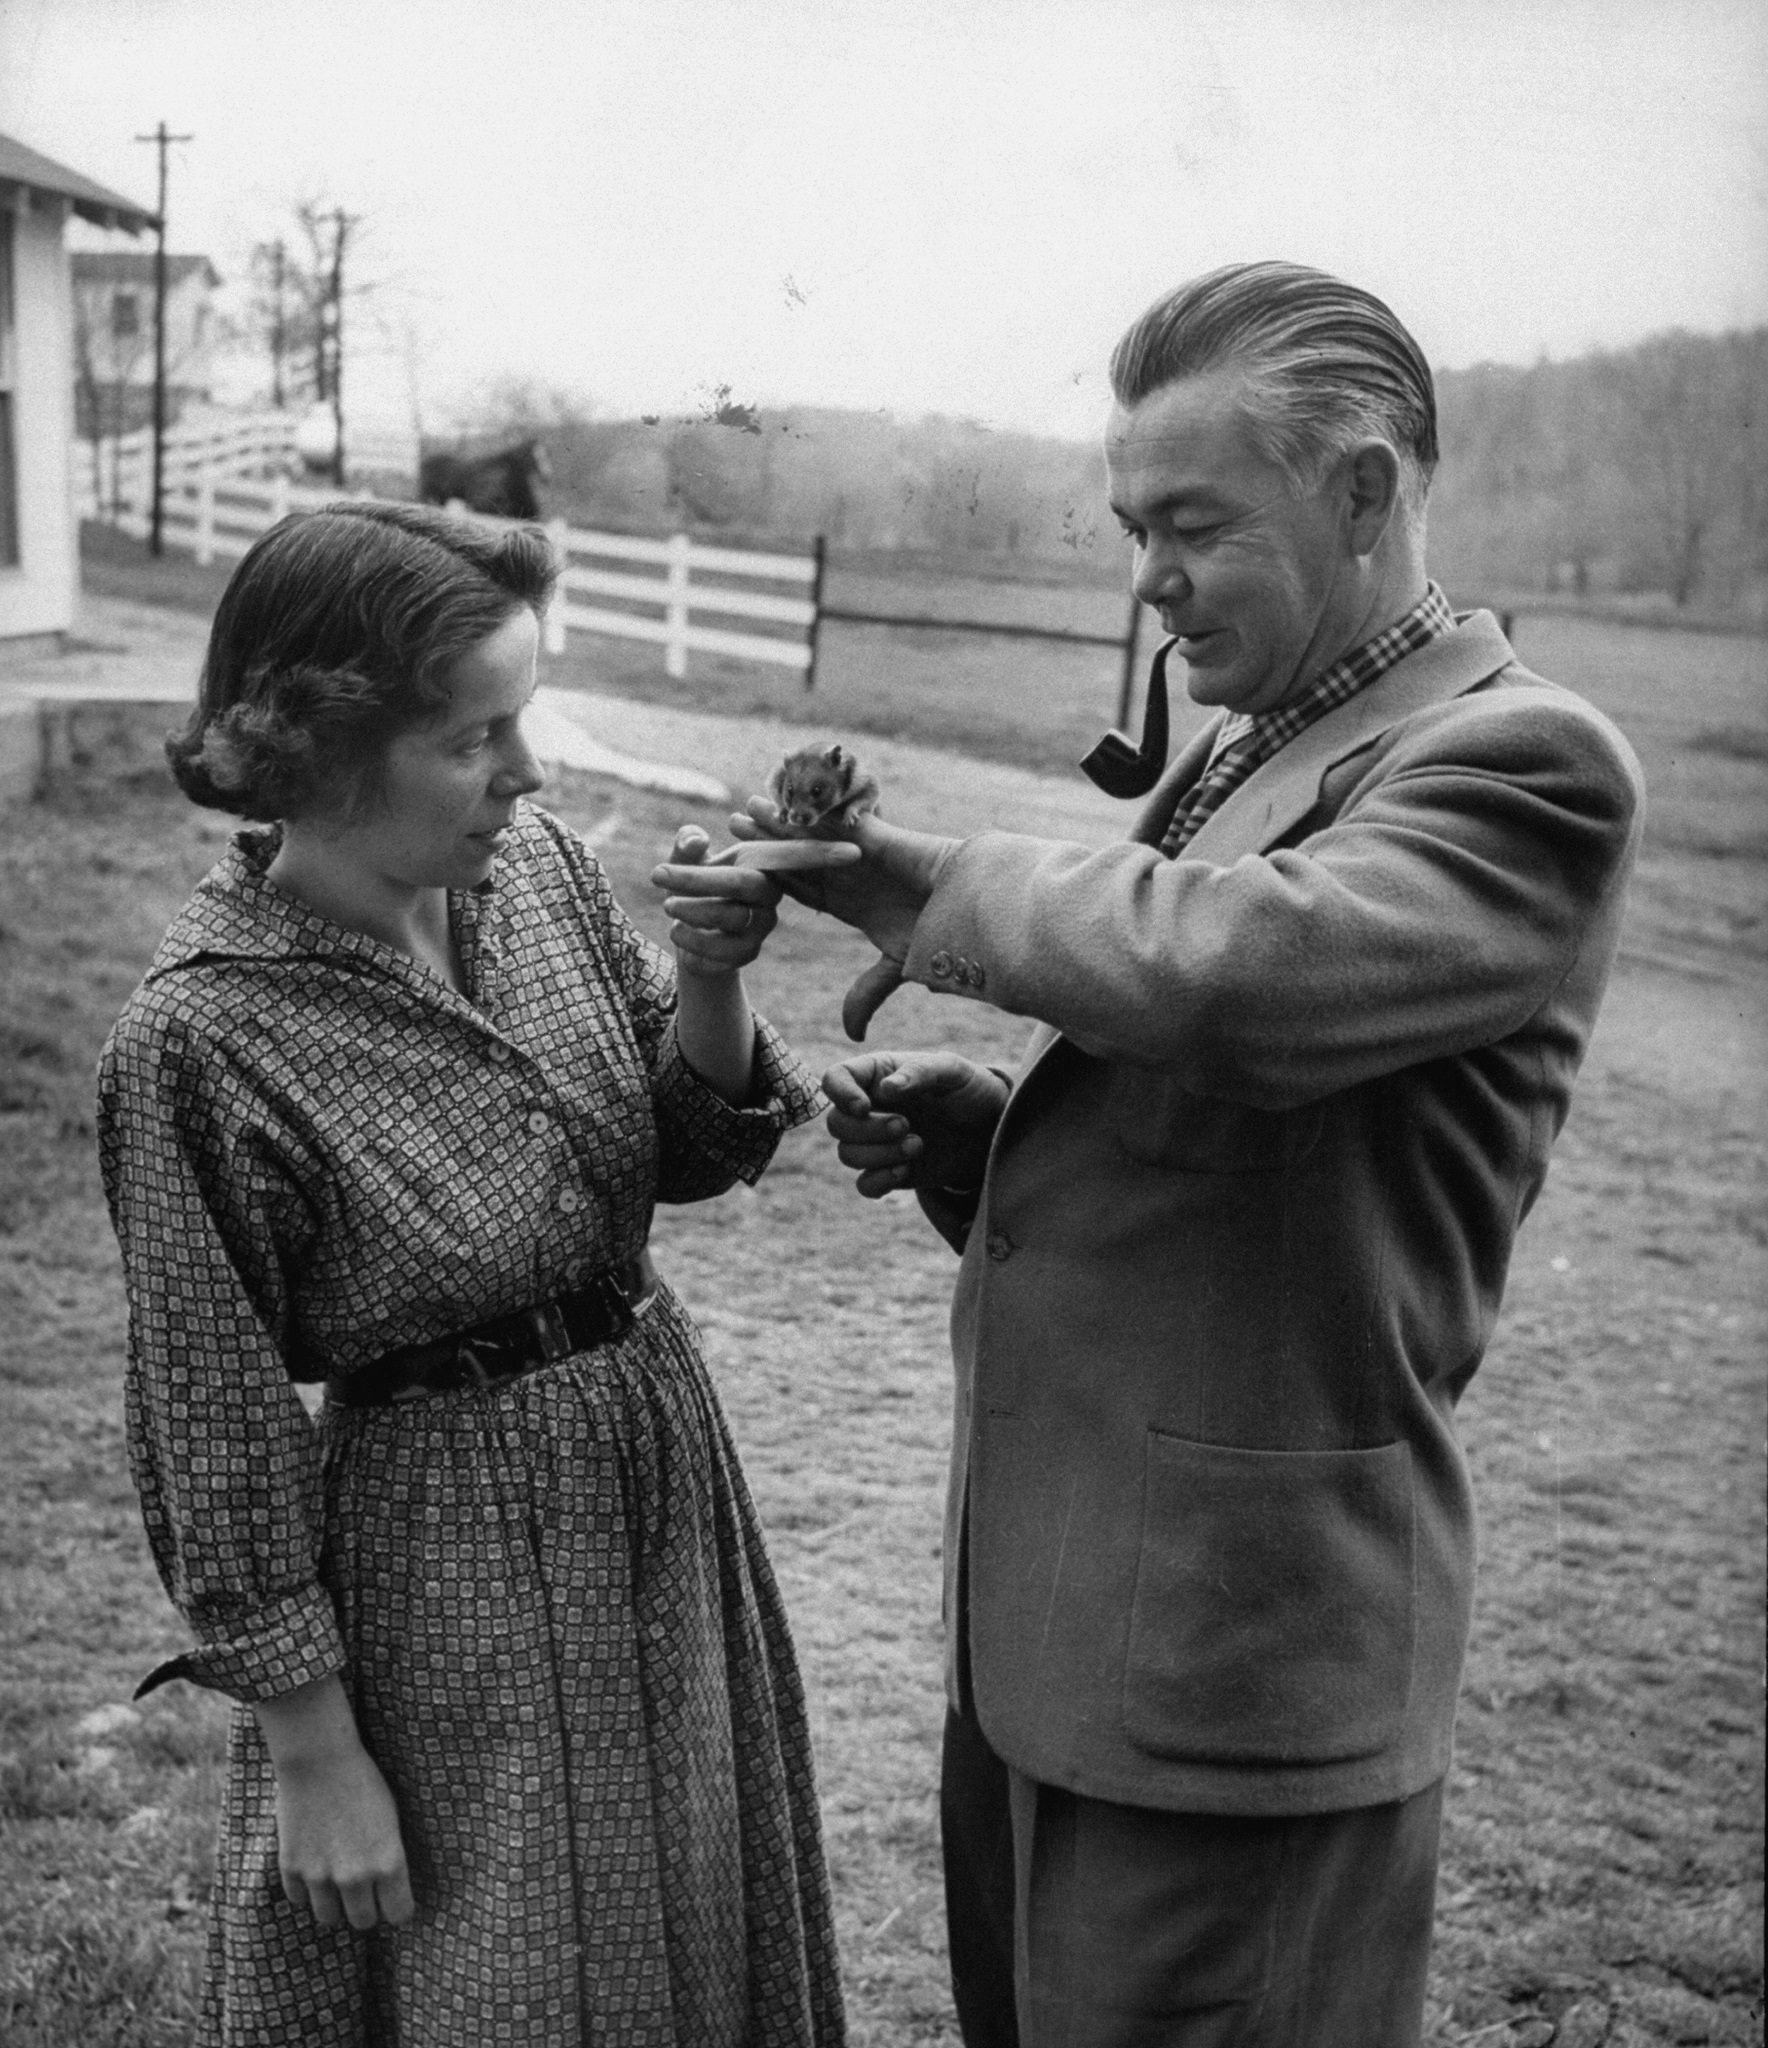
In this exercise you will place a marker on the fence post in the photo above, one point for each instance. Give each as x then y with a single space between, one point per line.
552 631
819 553
131 487
675 647
205 512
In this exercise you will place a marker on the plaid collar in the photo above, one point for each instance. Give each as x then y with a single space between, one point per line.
1269 731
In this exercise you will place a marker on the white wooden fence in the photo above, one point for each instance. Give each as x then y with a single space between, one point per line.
680 599
113 477
631 587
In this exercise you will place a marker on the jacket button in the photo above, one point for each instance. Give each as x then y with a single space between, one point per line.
941 964
569 1201
537 1122
500 1053
976 977
999 1245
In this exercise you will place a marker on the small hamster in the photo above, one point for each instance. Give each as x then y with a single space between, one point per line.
822 791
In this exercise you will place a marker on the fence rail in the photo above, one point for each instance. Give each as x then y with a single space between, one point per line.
227 479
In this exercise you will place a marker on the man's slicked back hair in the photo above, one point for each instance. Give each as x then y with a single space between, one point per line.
1326 365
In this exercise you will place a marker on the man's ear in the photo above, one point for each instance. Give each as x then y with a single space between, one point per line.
1372 488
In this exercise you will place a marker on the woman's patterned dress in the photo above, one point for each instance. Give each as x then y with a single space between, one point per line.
549 1601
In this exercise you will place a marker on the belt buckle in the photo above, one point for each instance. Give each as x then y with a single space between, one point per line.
547 1321
471 1368
617 1304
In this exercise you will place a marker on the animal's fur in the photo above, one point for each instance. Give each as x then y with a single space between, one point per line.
502 484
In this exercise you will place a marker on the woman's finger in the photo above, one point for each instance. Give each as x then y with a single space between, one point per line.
324 1904
359 1903
741 884
721 913
393 1896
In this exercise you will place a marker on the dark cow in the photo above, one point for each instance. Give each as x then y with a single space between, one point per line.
502 484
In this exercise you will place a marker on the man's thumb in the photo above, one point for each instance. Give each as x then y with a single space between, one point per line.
868 996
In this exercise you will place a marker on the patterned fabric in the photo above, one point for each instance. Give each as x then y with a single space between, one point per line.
1245 741
549 1601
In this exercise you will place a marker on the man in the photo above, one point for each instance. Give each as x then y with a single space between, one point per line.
1235 1236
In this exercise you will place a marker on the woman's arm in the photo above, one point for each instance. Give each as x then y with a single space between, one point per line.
715 1026
720 917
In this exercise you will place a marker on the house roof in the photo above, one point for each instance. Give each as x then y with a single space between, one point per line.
135 266
22 167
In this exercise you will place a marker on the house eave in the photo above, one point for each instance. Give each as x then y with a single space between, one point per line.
30 182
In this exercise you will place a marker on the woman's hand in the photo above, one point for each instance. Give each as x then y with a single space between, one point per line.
914 1119
338 1844
722 906
720 914
721 911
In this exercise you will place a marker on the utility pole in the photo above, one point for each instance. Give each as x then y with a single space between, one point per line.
163 140
278 322
342 223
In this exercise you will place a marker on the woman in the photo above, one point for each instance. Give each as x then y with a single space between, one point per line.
521 1752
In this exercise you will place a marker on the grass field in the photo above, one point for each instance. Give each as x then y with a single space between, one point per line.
1602 1874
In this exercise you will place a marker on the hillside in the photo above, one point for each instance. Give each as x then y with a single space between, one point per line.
1627 475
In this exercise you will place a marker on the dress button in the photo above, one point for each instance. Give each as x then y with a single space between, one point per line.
539 1123
500 1053
574 1272
999 1244
941 964
570 1201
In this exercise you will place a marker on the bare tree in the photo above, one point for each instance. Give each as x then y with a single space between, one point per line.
1686 428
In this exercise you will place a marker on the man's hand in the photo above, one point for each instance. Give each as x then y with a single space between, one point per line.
882 894
913 1119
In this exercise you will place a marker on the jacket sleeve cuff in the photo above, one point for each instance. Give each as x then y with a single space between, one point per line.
945 951
291 1642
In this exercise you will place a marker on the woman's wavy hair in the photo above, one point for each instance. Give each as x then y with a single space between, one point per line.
1325 365
333 635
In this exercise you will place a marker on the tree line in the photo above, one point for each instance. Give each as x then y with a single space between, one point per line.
1636 474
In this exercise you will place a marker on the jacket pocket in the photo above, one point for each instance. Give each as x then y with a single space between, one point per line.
1161 1124
1272 1618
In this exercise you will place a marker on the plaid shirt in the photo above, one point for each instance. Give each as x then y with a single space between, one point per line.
1245 741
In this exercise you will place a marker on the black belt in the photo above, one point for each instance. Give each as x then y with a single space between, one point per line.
506 1345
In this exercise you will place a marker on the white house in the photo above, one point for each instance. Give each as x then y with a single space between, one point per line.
39 551
113 337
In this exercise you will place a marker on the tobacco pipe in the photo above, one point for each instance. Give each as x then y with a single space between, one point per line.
1123 769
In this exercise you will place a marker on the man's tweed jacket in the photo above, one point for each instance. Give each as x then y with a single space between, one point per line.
1245 1230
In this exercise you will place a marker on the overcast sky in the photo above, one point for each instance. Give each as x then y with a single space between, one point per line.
947 207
